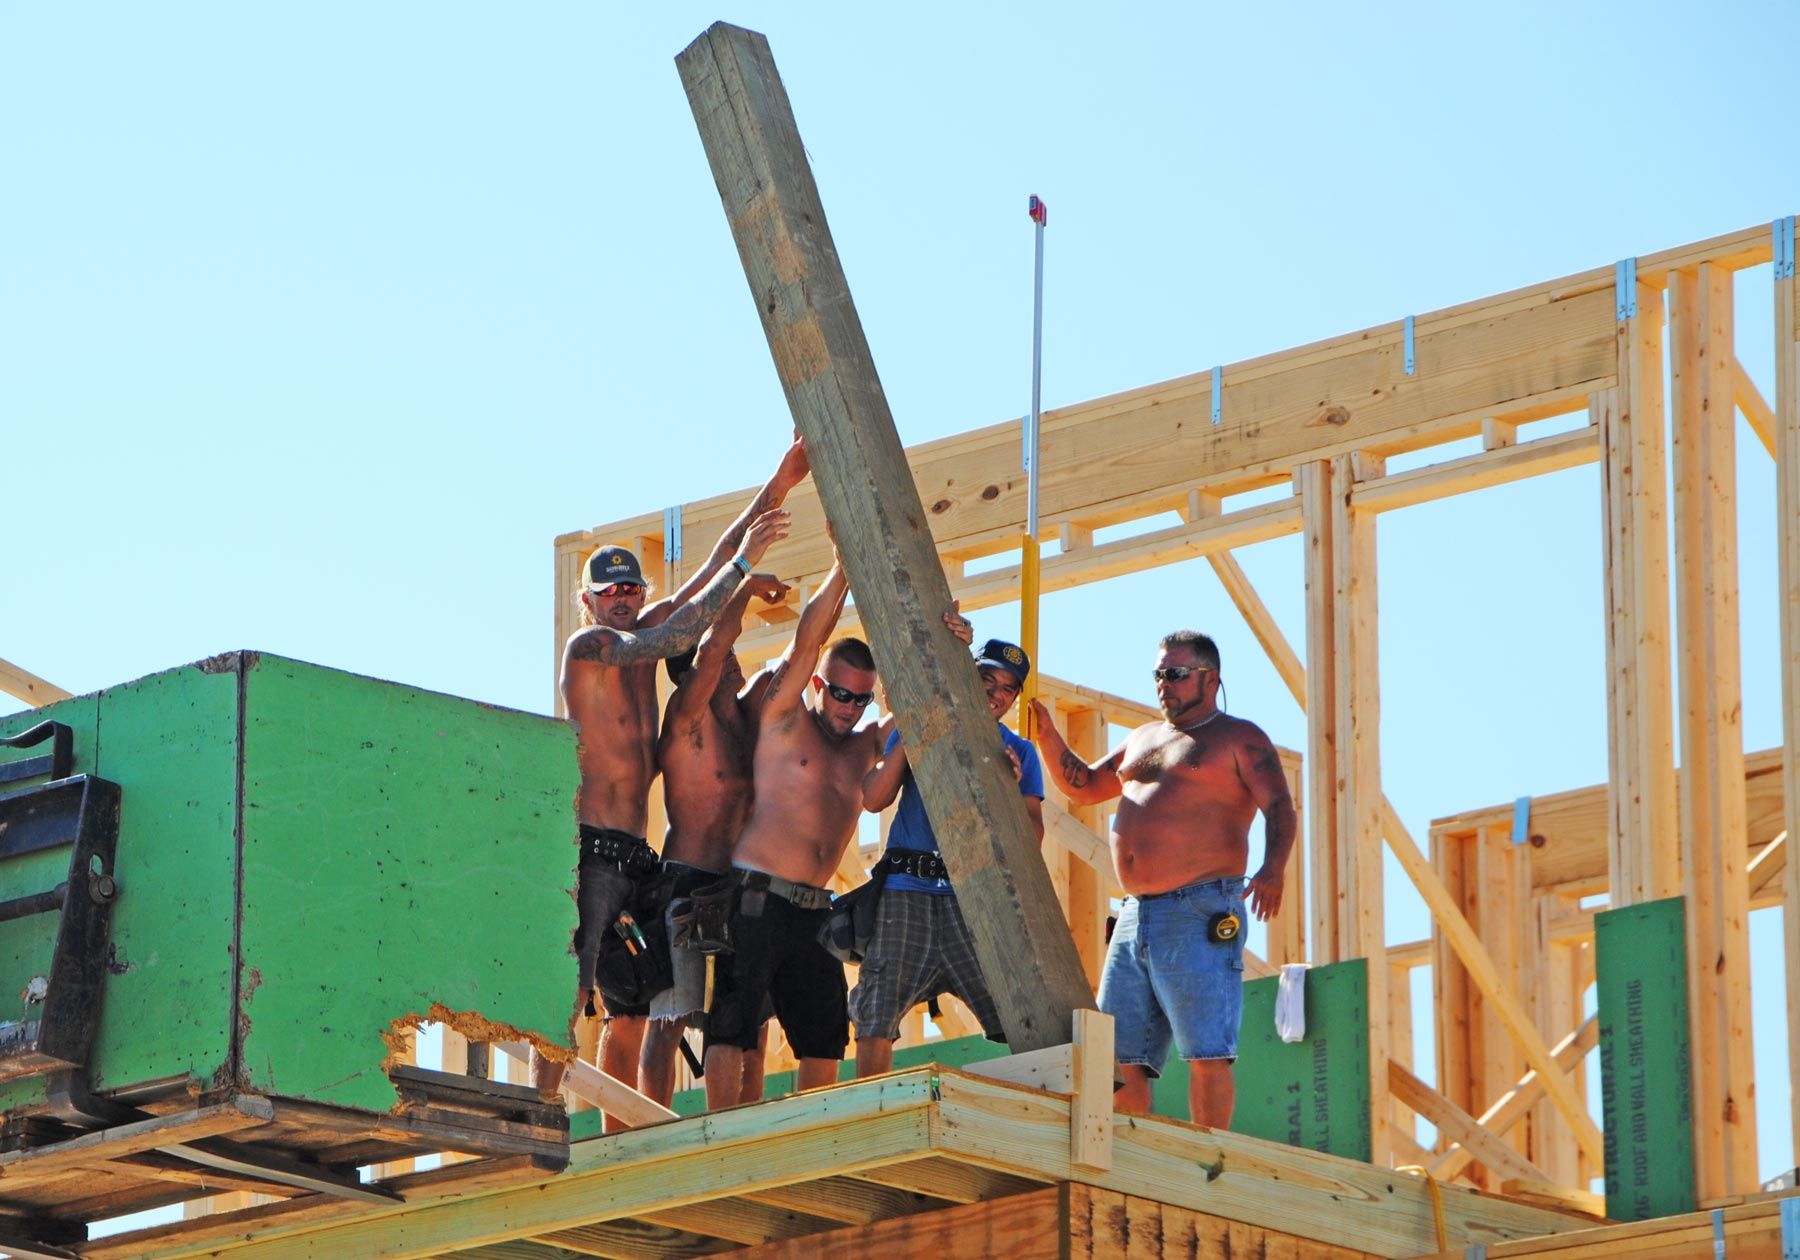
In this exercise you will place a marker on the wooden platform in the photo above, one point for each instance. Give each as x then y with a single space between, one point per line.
928 1160
306 1154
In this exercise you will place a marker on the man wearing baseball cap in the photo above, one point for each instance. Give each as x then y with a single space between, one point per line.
922 946
609 691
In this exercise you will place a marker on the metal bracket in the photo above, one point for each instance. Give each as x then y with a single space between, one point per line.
1790 1226
672 535
1625 282
1521 831
1783 232
1412 360
1475 1251
1218 391
1718 1234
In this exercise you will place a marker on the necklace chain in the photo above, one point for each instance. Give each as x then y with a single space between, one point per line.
1202 722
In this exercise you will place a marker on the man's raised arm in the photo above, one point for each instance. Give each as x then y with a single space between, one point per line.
696 690
683 627
1259 766
1082 783
789 473
816 623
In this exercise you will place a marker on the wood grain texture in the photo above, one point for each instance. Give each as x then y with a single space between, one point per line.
828 373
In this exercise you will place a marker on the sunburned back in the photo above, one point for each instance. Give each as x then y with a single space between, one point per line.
1185 811
808 797
706 769
615 709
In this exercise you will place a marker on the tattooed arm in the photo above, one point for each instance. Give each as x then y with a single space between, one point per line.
1081 783
789 473
1259 766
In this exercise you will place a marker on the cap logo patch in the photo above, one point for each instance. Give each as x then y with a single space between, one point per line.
1013 655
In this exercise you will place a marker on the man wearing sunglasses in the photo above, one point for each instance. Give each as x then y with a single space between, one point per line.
809 765
922 946
609 690
1188 788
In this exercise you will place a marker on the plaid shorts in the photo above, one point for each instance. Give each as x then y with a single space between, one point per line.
921 948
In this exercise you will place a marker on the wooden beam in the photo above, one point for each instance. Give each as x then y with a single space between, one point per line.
1486 977
1459 1126
1267 1184
1494 467
1756 409
1091 880
22 685
1021 1227
1319 702
587 1082
865 484
1713 824
1645 855
1513 1106
1362 931
1787 512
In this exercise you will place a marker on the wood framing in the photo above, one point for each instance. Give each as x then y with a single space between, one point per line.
1787 510
26 686
861 474
1712 811
1511 952
895 1149
1634 510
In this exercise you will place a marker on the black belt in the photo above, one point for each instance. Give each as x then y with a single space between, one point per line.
919 863
611 847
803 896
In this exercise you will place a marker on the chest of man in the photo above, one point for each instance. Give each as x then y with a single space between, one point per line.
1174 759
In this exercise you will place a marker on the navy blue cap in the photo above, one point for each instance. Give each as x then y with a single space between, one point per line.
1010 657
612 564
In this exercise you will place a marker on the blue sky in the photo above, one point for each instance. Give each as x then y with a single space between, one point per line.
319 324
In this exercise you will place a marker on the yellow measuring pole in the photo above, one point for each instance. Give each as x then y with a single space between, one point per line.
1028 630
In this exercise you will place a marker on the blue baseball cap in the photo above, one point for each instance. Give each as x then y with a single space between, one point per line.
999 654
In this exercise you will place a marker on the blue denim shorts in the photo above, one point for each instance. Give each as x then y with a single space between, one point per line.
1164 978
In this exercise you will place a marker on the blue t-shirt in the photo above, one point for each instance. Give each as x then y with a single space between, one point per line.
912 829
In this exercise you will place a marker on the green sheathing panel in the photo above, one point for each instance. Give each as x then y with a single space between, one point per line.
169 741
1312 1093
400 848
1640 964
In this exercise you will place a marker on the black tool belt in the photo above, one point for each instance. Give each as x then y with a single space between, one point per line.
802 896
610 847
919 863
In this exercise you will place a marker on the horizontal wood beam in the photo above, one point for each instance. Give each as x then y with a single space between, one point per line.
1478 472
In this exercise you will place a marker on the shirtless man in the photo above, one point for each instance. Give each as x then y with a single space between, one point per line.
704 753
1190 786
809 766
609 691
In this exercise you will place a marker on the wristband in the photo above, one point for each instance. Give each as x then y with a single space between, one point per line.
743 565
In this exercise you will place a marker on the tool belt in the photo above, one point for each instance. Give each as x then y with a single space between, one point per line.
634 963
702 918
610 847
754 885
919 863
850 927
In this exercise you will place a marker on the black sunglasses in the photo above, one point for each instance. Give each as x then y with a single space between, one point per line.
1176 673
843 695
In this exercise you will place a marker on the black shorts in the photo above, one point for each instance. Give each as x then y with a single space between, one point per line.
603 888
778 960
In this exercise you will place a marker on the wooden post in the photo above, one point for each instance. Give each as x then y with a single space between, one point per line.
1357 705
1641 779
1787 462
1314 481
759 165
1086 731
1714 830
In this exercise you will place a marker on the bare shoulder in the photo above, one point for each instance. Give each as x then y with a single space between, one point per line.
1243 731
590 643
1254 747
